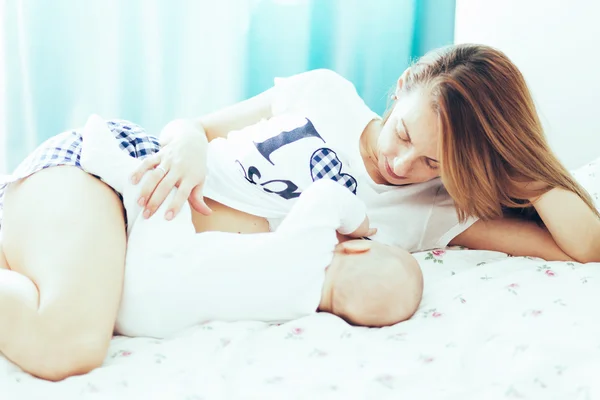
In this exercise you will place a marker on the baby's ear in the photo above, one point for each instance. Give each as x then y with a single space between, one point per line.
356 246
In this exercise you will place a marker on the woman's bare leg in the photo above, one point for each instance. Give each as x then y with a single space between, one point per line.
64 240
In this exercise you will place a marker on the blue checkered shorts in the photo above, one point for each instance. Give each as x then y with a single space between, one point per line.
65 149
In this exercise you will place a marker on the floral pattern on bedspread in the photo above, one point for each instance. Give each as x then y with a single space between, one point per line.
489 327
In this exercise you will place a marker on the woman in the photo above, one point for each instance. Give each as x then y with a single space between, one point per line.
495 157
463 113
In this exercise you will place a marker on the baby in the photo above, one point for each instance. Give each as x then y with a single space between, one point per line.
175 277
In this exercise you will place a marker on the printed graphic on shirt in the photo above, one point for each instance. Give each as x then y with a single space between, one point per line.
325 163
287 160
282 187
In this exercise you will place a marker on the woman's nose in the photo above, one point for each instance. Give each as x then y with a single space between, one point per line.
403 164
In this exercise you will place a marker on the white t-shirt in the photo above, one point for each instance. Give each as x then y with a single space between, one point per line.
314 133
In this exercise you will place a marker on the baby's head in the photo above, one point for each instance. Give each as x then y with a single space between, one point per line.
372 284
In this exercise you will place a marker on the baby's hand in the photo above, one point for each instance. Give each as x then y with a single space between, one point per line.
363 230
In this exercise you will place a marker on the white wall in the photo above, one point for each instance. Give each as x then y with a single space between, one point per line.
556 44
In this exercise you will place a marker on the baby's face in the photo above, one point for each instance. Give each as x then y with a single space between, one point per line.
379 285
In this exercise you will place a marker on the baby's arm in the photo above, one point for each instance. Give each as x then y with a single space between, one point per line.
324 208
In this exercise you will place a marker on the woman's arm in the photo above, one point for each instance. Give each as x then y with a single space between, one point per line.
219 123
513 236
237 116
573 225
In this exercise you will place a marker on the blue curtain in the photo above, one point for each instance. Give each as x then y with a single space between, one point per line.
150 61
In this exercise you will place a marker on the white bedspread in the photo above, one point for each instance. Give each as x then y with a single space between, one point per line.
490 326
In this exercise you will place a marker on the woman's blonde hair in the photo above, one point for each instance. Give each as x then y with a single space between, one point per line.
492 140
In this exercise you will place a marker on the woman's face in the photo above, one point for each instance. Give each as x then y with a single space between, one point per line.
407 147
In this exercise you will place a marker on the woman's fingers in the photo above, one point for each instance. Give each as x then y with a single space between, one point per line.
146 165
196 199
181 195
162 189
150 184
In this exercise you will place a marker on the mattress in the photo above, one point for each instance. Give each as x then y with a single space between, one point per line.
489 326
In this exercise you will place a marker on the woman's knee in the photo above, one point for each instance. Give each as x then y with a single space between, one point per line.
55 358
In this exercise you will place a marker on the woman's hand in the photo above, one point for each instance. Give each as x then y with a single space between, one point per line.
181 164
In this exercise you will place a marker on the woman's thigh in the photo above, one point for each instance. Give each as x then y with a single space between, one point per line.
64 229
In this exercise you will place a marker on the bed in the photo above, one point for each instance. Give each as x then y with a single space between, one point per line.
490 326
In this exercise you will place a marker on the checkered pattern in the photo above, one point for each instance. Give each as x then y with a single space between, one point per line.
325 163
65 149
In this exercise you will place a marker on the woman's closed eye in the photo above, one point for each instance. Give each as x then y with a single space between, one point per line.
402 136
431 164
402 131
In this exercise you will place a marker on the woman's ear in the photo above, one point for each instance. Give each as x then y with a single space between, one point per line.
401 81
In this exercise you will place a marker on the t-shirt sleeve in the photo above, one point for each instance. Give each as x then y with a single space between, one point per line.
443 224
326 98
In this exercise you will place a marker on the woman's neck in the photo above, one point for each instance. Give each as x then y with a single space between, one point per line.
368 150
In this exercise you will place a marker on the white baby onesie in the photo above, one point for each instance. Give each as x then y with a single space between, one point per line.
175 278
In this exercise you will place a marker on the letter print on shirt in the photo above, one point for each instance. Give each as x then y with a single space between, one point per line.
323 162
286 137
